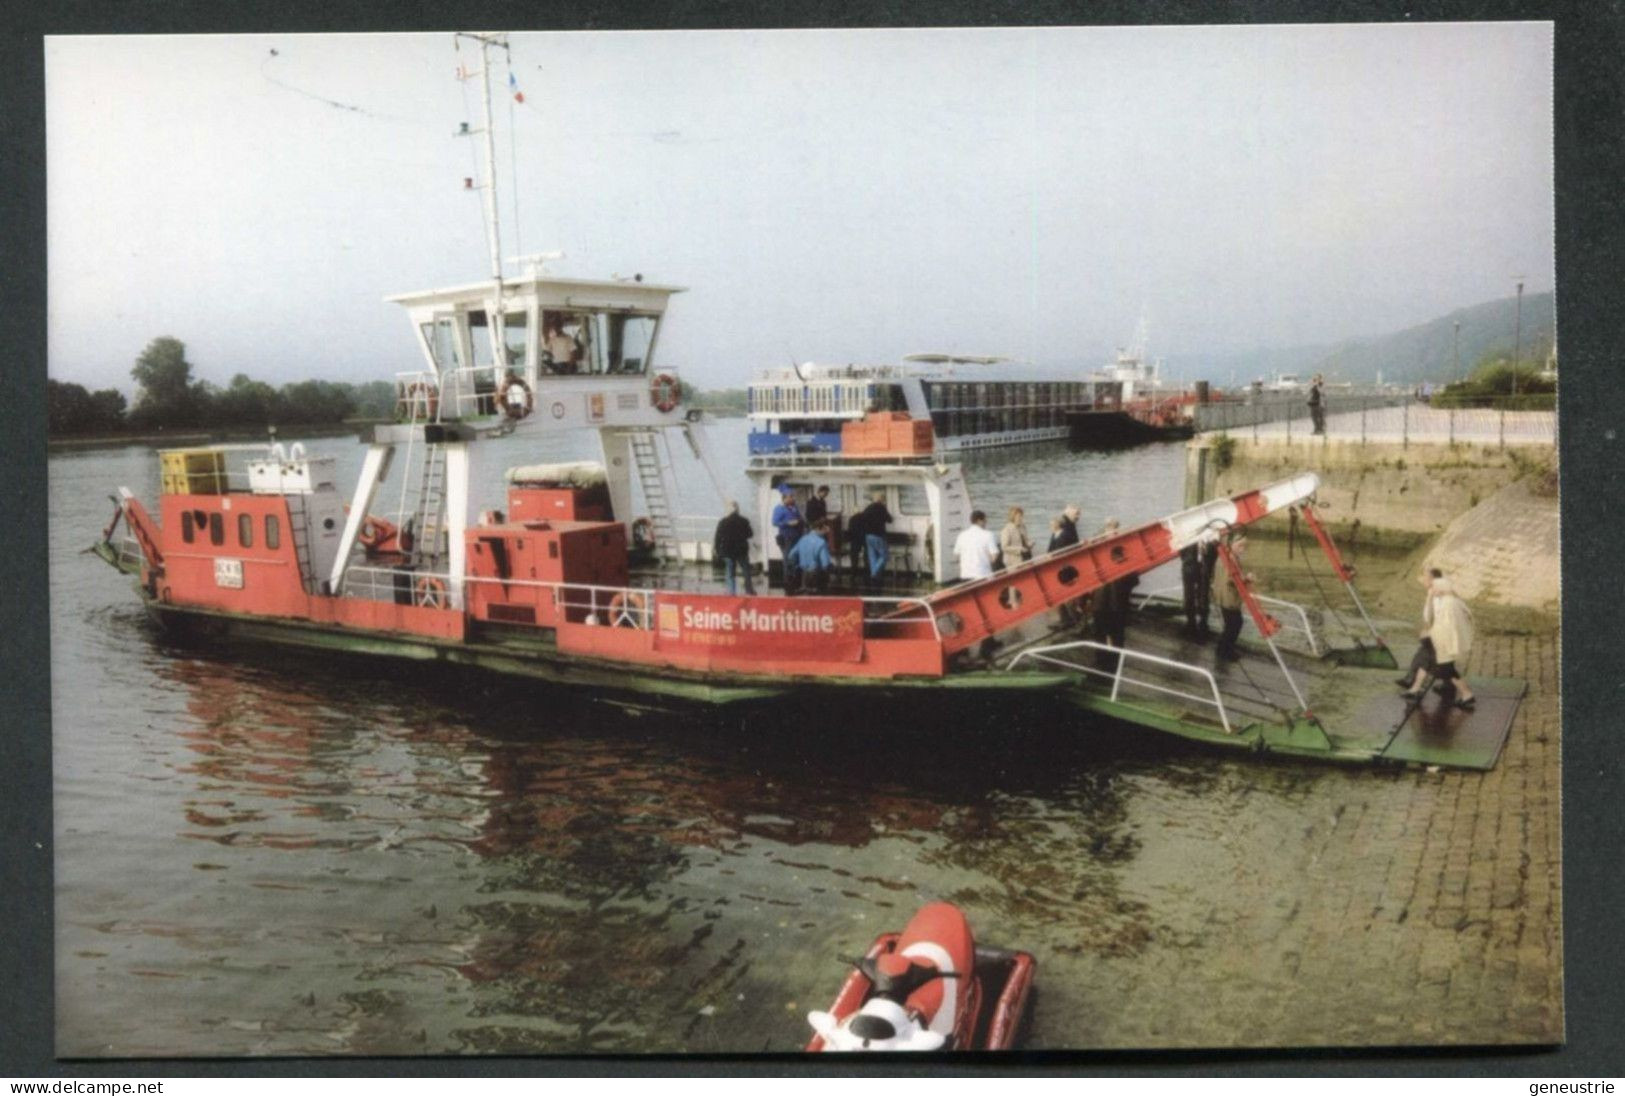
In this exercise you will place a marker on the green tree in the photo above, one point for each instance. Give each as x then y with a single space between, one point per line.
167 396
70 409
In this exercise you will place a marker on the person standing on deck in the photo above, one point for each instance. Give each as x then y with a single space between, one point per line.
817 511
1228 597
1190 582
1014 544
1317 404
731 545
1064 530
812 558
870 527
787 530
976 549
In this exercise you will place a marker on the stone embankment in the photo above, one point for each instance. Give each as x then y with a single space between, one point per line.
1483 512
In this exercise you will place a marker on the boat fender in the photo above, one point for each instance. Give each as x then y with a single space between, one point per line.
664 392
626 610
643 534
431 592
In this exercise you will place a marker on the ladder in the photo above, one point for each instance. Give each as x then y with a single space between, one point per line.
299 535
653 477
431 507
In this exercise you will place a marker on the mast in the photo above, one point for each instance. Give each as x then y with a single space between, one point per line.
493 231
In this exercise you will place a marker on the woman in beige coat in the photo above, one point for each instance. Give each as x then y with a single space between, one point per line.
1014 544
1452 635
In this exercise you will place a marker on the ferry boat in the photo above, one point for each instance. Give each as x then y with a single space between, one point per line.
1131 404
570 584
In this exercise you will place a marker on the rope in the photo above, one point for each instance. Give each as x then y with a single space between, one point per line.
1320 590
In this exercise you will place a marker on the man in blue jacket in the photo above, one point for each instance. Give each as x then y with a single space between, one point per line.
812 560
787 530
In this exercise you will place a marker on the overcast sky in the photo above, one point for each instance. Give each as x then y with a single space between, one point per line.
831 196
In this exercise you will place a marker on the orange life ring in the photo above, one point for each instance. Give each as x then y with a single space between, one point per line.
627 610
664 392
431 592
509 409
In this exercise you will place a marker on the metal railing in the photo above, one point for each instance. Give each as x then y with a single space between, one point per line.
622 606
1119 679
1177 594
1388 418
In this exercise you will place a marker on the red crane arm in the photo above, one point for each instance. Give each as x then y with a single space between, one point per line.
973 611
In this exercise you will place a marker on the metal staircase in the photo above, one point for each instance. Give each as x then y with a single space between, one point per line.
654 477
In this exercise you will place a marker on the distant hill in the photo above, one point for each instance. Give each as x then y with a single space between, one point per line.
1402 357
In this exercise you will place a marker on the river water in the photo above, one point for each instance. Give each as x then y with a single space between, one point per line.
292 855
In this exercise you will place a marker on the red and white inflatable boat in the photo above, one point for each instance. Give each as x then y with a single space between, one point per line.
929 988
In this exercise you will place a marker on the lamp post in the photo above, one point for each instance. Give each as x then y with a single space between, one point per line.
1455 351
1517 339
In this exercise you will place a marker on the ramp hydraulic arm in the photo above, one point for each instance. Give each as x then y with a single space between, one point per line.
974 611
140 523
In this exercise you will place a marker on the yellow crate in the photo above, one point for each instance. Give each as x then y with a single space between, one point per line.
192 471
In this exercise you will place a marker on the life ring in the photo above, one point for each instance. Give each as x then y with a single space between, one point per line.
431 592
376 533
509 409
626 610
643 534
664 392
426 394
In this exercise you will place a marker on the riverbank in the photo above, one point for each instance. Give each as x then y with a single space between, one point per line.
179 439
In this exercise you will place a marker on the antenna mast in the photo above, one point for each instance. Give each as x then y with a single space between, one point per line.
493 230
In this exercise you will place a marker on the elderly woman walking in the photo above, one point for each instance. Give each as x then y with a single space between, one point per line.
1450 628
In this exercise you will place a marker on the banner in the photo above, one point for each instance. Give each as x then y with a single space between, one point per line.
761 629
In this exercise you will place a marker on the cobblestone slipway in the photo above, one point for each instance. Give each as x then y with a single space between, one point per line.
1397 908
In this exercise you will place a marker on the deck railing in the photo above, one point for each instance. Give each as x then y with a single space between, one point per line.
1051 656
621 606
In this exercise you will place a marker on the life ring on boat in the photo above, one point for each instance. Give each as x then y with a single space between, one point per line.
515 410
643 535
376 533
431 592
422 394
626 610
664 392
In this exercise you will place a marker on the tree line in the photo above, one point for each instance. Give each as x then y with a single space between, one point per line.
168 397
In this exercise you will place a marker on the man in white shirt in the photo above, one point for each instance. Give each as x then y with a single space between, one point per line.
976 549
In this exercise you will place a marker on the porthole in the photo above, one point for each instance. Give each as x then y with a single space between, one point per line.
950 624
327 523
1118 554
1010 597
1067 575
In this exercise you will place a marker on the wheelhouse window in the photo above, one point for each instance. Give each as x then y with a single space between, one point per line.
515 332
245 530
188 528
631 338
479 337
568 346
441 339
273 531
217 529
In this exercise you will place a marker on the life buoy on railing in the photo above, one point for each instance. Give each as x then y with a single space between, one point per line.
431 592
627 610
664 392
515 409
643 535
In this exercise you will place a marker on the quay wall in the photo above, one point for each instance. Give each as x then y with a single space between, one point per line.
1486 514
